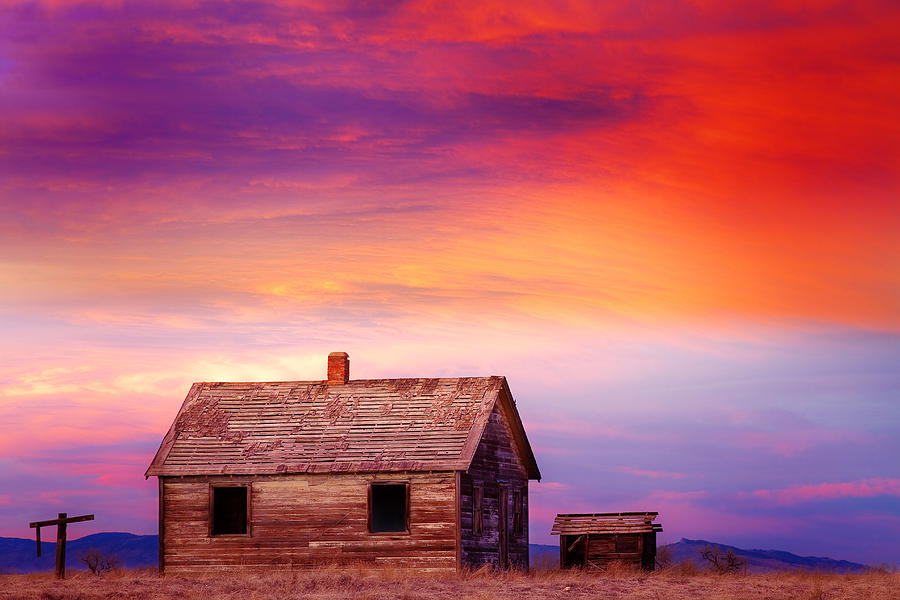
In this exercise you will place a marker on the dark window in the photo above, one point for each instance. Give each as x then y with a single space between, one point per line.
229 510
388 507
477 501
518 521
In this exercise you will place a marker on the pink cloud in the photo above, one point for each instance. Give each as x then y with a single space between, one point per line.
552 486
549 498
652 474
791 443
542 450
62 496
542 515
864 488
691 514
676 495
126 476
589 429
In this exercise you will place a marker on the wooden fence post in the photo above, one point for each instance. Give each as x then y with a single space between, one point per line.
61 547
62 520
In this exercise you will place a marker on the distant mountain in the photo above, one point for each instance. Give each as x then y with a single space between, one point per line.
541 556
17 555
758 561
762 561
133 551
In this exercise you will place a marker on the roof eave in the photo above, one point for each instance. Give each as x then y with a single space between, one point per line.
157 465
527 454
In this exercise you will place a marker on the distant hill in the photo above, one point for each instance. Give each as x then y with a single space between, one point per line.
762 561
543 557
18 555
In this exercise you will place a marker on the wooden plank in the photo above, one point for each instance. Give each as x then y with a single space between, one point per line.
605 523
162 529
610 514
566 527
61 546
503 527
458 524
308 450
307 519
495 461
523 447
61 519
583 530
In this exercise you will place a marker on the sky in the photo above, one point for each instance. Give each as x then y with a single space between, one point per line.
673 226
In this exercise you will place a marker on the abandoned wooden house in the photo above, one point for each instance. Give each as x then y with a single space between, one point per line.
594 540
430 474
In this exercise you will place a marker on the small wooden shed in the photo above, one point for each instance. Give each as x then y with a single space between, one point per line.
593 540
430 474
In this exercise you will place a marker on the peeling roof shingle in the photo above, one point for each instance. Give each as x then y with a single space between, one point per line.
311 426
605 523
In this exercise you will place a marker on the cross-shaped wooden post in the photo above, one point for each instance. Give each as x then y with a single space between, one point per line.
60 523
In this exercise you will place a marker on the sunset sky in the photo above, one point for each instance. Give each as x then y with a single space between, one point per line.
674 227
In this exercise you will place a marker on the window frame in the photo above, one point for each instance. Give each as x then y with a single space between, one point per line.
518 499
369 507
212 499
477 508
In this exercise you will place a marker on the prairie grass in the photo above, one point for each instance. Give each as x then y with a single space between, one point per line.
357 583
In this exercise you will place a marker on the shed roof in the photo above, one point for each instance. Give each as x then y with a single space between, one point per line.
319 426
605 523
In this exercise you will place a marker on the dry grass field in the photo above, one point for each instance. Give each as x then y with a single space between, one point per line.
331 583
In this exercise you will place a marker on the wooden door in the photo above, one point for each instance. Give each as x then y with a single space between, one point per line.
504 528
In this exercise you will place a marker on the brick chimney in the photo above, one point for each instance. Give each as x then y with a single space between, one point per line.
338 368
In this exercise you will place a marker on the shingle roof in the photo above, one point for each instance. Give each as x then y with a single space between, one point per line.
605 523
315 426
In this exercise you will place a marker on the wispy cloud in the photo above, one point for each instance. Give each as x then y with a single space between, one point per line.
651 474
792 443
863 488
554 486
642 217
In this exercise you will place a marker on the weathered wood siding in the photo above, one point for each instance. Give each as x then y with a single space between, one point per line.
597 550
495 465
299 520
